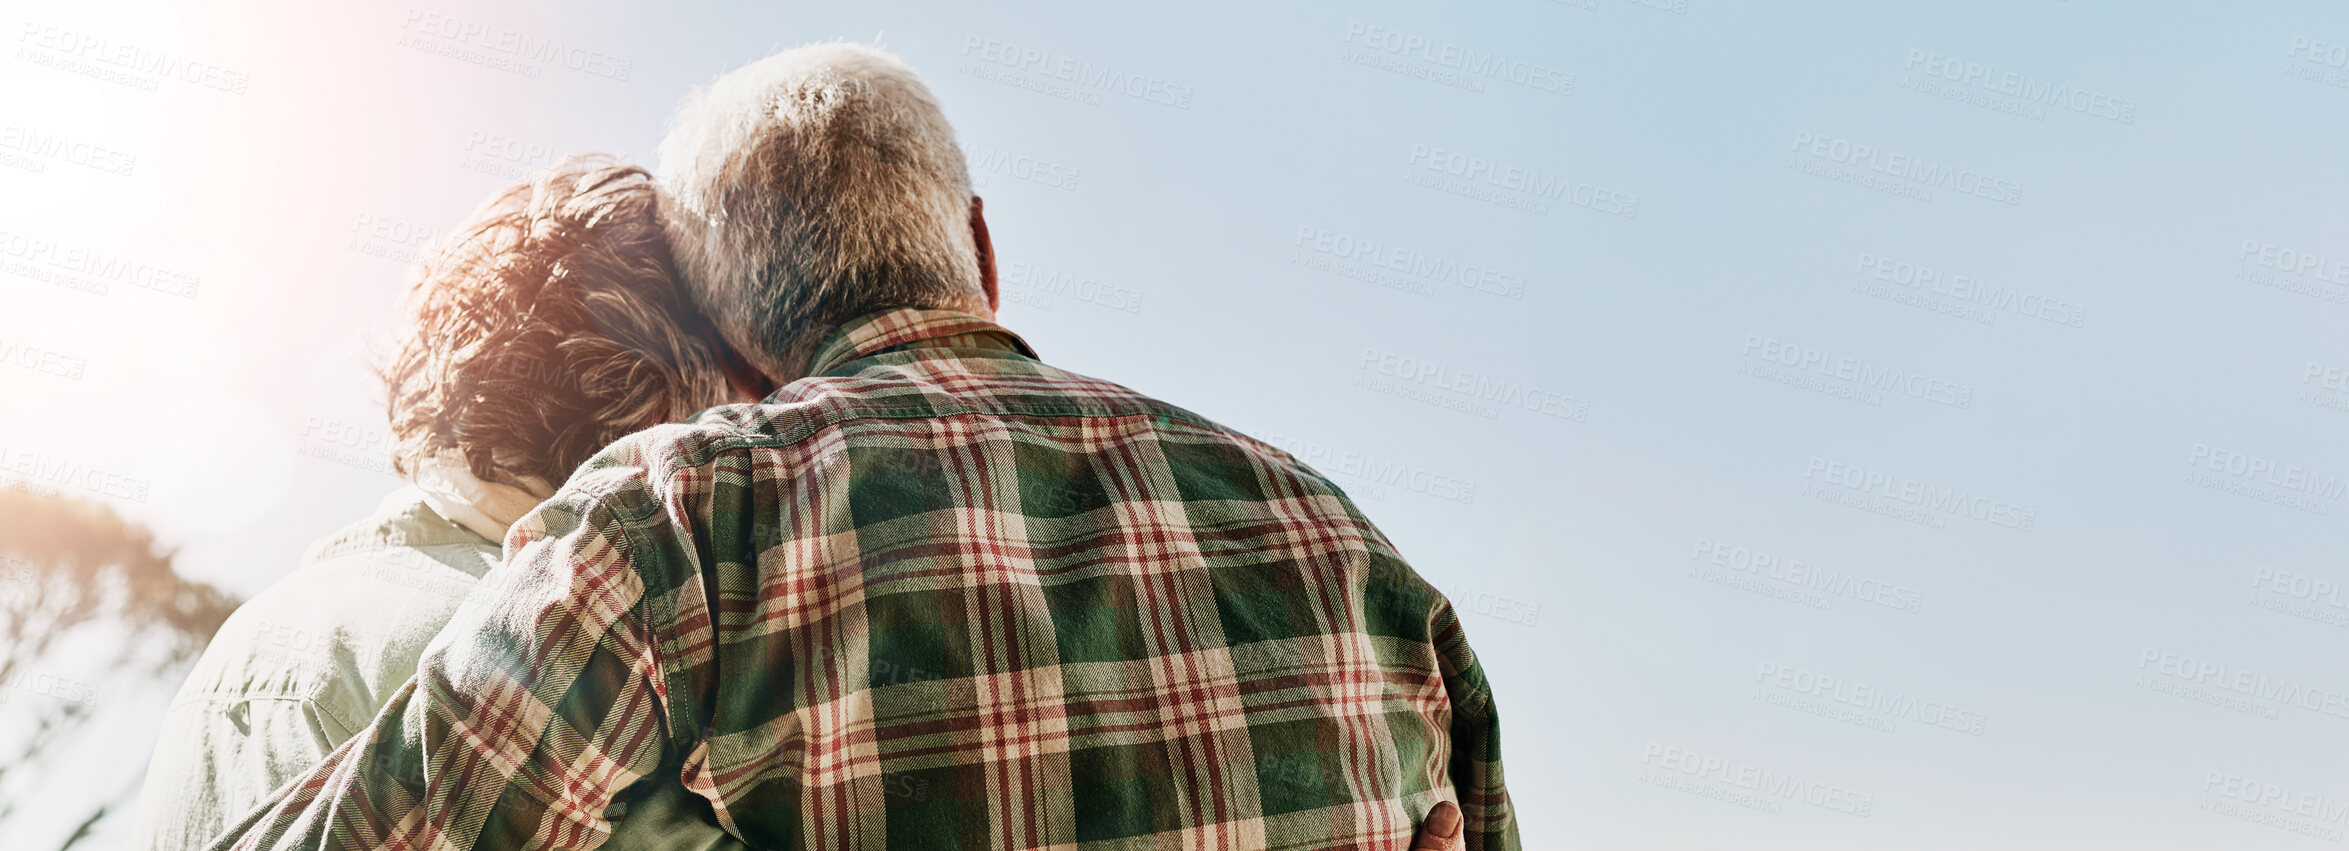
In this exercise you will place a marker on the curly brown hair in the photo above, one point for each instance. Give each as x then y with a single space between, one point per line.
547 326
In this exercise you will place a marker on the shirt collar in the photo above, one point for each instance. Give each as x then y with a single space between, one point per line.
404 520
911 327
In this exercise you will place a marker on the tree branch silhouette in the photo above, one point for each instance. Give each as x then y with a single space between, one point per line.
85 596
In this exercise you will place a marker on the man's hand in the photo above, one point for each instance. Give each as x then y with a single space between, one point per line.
1441 830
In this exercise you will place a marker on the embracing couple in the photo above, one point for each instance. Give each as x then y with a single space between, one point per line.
801 550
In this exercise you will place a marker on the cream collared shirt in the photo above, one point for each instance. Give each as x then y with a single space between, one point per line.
304 665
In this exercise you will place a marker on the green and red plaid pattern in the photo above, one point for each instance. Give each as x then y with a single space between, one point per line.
938 595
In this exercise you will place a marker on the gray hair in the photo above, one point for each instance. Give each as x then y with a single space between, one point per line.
811 187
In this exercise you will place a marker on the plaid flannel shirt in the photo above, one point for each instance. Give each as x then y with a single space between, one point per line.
937 595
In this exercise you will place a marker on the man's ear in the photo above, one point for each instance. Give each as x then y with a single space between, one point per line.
986 253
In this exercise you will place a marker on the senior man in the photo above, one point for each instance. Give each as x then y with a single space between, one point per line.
932 592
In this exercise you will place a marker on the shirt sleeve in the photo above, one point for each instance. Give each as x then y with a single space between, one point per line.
1490 822
538 703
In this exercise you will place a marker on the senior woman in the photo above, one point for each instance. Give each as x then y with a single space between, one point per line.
549 325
